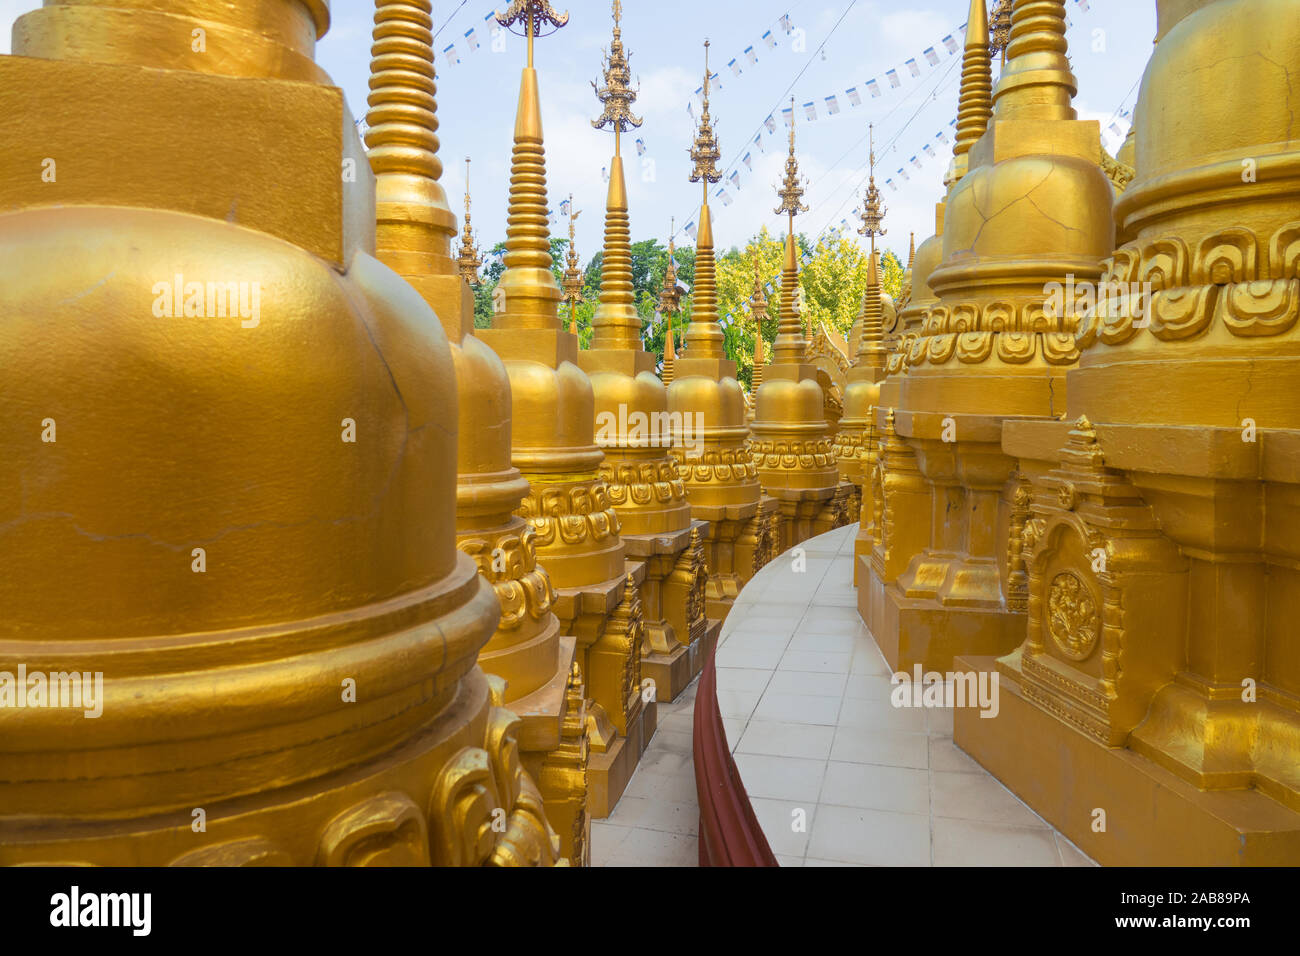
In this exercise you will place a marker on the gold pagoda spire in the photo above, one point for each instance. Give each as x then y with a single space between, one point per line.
616 324
1037 83
911 252
415 222
468 259
788 349
532 295
871 351
705 335
670 295
975 101
670 355
573 274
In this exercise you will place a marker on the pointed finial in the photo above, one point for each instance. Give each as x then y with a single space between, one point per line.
974 102
705 152
468 260
573 274
873 211
536 16
757 300
791 190
670 296
617 95
911 251
1000 28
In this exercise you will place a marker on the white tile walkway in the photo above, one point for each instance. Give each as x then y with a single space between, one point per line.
656 822
804 696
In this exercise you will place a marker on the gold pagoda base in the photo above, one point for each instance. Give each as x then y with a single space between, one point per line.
609 773
836 512
911 631
798 512
678 642
542 716
674 672
1152 817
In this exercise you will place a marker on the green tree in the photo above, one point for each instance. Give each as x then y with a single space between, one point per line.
832 284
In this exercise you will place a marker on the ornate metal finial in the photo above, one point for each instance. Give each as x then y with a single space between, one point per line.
1000 28
791 190
705 152
670 296
758 301
468 260
573 275
873 212
535 15
617 96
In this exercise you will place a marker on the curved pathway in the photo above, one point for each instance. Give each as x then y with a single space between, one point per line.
836 774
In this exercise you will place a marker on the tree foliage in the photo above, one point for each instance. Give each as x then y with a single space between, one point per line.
832 284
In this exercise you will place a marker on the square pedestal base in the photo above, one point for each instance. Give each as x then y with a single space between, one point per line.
670 672
1152 817
673 673
718 609
911 631
608 773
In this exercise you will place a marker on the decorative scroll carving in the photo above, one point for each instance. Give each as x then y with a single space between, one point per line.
570 514
386 830
485 810
632 484
1235 279
509 562
797 454
724 465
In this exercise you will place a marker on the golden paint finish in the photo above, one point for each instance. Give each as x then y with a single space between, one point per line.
855 438
415 231
1031 210
255 550
716 469
568 506
857 432
790 441
1171 498
633 429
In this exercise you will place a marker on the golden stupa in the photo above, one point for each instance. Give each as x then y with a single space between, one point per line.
553 444
1154 546
268 583
992 347
715 463
790 441
635 431
855 437
543 684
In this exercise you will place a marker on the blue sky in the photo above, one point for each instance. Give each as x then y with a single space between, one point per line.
833 46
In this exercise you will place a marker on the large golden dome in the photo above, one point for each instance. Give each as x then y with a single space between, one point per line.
202 570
